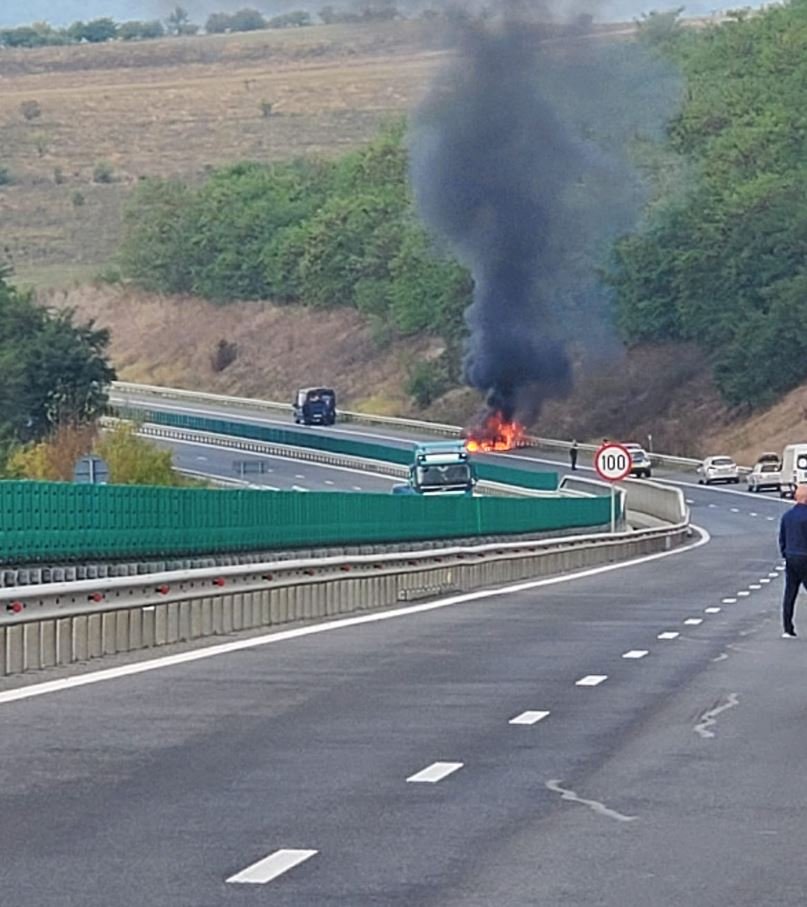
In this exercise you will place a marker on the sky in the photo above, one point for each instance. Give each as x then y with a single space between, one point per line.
63 12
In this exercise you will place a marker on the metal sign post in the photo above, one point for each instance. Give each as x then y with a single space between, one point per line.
613 463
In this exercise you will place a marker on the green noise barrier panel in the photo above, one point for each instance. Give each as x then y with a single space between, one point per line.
353 447
46 521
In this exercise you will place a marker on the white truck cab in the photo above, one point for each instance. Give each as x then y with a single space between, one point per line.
794 469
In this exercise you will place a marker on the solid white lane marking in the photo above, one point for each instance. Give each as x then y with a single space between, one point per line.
754 586
711 610
528 717
298 488
434 772
591 680
668 634
271 867
744 594
239 645
635 653
693 621
729 601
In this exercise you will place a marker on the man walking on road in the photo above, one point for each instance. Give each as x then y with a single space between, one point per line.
793 547
573 454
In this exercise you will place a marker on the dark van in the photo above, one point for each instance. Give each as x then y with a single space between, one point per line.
314 406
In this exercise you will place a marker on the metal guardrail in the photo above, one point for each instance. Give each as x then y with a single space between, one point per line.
454 431
63 623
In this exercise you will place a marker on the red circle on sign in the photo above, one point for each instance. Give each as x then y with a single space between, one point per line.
613 462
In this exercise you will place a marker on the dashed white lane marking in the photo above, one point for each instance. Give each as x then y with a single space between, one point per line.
754 586
753 514
271 867
202 459
764 580
709 718
528 717
735 509
600 808
635 653
329 482
299 477
213 651
591 680
357 487
779 569
773 575
668 634
435 772
713 505
689 501
744 594
770 519
711 610
693 621
729 601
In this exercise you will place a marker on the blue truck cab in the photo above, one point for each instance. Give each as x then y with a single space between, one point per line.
314 406
442 467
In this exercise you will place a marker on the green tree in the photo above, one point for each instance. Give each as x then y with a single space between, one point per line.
54 370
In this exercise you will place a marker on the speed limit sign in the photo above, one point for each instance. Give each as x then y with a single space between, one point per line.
612 462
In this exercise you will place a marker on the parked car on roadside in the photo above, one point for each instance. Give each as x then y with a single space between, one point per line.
640 462
718 469
765 476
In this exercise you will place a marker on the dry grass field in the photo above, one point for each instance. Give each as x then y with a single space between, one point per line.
177 107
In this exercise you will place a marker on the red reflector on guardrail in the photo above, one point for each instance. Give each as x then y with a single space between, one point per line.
96 597
219 581
163 590
15 607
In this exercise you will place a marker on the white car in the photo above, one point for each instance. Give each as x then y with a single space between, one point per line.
718 469
640 465
765 475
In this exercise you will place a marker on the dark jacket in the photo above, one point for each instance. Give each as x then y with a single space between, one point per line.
793 532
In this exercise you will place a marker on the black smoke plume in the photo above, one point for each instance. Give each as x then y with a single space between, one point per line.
519 161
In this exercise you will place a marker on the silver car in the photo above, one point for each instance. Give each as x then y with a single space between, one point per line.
765 476
718 469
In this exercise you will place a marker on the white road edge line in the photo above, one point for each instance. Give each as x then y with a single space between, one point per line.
271 867
591 680
434 772
239 645
528 717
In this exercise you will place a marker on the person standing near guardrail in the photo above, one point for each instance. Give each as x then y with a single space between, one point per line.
573 451
793 547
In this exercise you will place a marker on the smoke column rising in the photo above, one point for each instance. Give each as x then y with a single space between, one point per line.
525 197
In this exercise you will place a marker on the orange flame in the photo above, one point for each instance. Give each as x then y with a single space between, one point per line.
495 433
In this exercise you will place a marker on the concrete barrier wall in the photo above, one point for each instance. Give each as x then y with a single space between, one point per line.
91 620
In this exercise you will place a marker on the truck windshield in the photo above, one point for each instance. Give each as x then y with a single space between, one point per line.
443 476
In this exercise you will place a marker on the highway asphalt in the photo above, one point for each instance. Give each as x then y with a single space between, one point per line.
666 771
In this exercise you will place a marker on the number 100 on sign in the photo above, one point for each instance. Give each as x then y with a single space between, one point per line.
612 462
